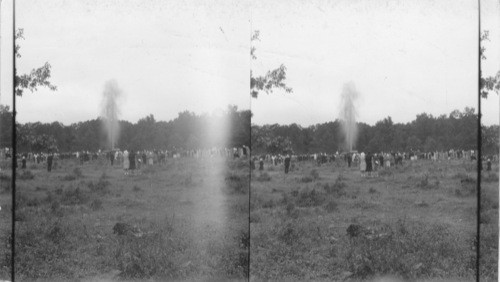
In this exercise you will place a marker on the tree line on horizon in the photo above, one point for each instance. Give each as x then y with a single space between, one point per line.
426 133
188 130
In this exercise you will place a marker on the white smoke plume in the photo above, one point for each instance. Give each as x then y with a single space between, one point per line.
110 111
348 114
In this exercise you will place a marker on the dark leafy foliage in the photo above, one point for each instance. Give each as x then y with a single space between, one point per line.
38 77
426 133
272 80
187 131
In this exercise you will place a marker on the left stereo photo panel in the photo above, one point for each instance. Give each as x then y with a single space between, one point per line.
6 95
133 135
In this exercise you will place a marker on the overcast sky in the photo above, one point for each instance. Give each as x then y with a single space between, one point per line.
405 57
166 56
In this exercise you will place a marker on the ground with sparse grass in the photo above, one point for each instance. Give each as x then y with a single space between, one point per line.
327 223
5 219
186 220
489 225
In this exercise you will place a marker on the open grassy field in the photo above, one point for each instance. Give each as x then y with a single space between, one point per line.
186 220
327 223
489 225
5 220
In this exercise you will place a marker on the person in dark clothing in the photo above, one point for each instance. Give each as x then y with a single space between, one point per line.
50 158
488 164
287 163
368 160
261 164
349 160
131 159
112 158
23 162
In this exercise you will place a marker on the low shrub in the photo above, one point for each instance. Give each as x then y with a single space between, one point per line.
150 255
5 177
427 184
26 175
289 233
309 198
237 183
74 197
490 177
263 177
385 172
410 251
75 174
306 179
468 187
314 174
331 206
96 205
101 186
336 188
47 243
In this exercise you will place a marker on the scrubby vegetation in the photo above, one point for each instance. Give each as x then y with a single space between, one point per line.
93 222
409 223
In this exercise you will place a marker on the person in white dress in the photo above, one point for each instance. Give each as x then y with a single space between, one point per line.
362 164
126 162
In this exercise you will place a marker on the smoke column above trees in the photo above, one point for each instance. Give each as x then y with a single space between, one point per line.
348 114
110 111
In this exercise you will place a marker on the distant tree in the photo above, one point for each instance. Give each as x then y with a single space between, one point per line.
278 145
490 139
36 78
385 128
5 126
491 83
413 143
376 144
430 144
273 79
187 131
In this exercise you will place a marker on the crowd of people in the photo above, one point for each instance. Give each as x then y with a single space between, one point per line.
368 163
129 160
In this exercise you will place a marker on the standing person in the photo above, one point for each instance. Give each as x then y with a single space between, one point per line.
349 160
112 158
387 160
23 163
150 158
131 159
50 158
362 164
368 160
488 163
287 164
117 156
261 164
126 163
